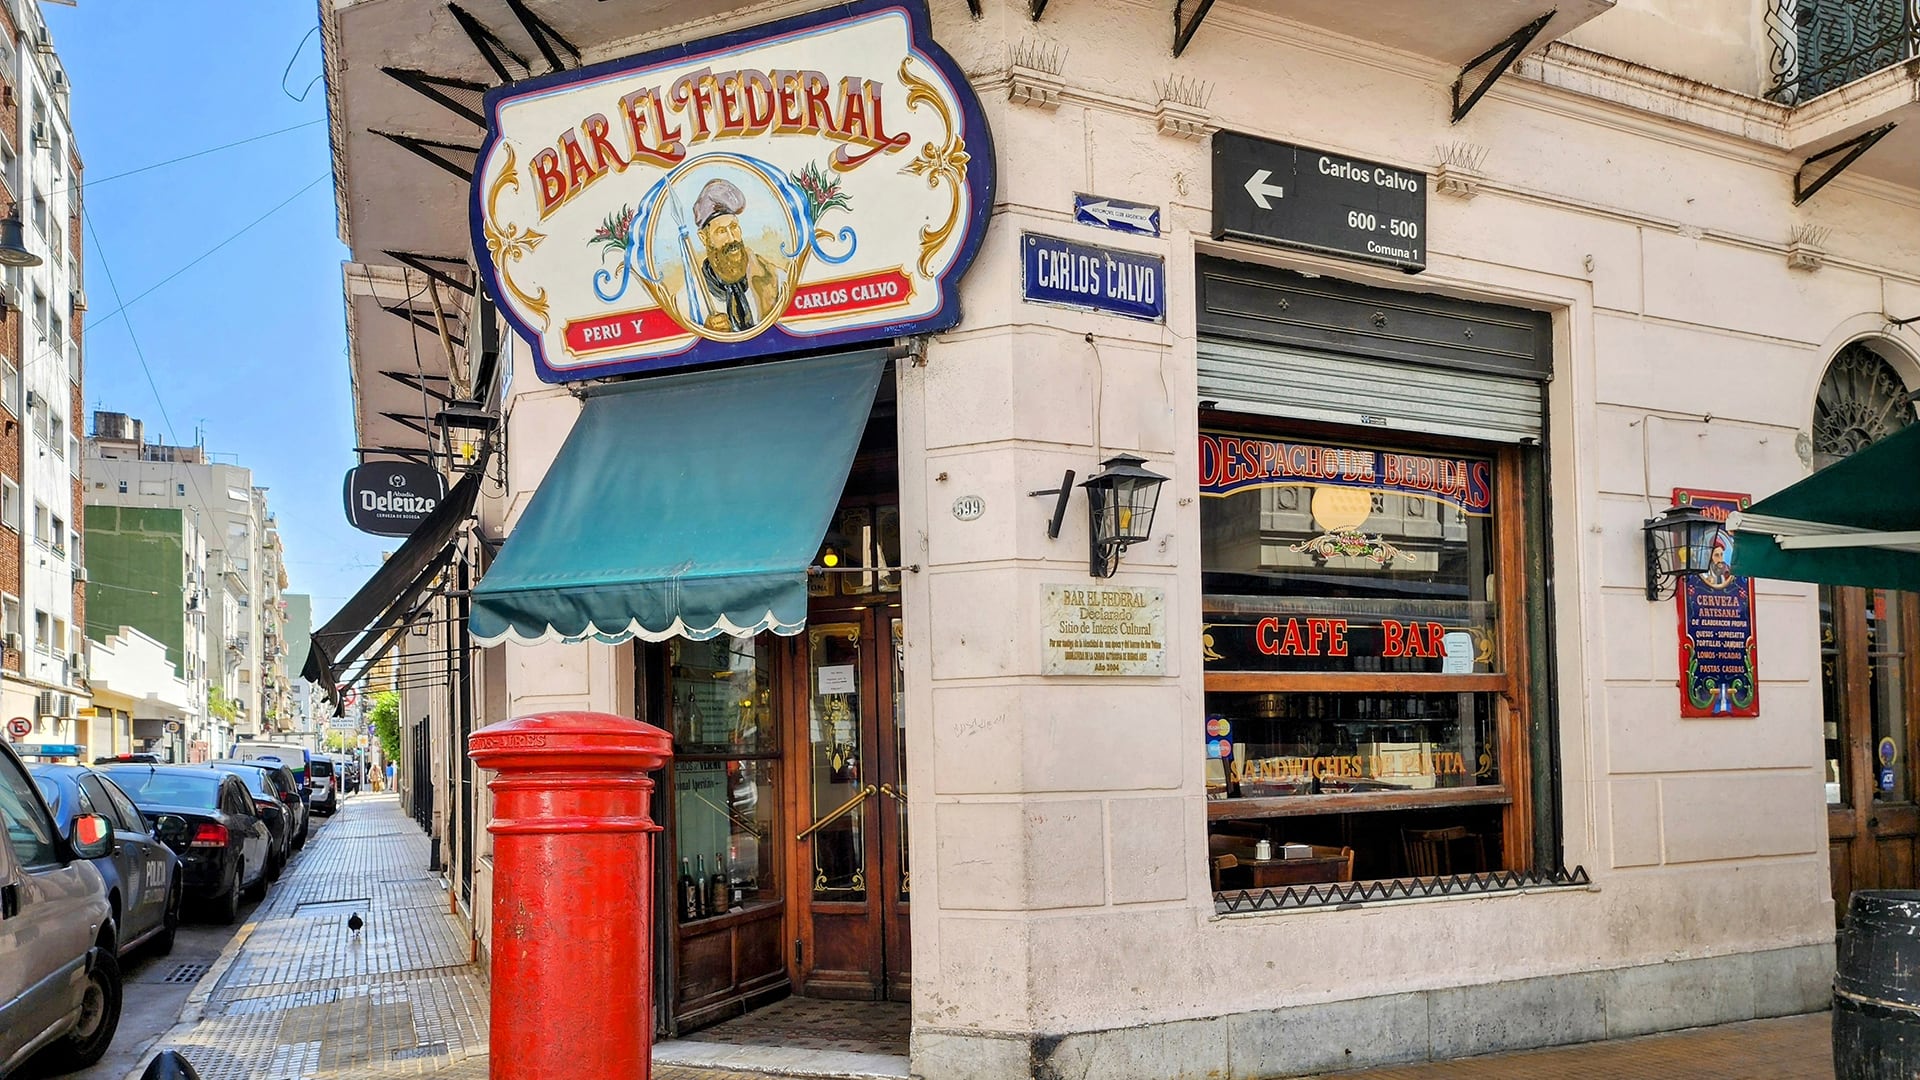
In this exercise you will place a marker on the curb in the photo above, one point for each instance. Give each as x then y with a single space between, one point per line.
194 1011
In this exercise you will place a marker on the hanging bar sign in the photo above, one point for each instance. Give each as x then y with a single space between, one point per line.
1103 279
1295 196
1719 661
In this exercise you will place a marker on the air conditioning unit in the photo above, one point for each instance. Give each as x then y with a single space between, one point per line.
10 290
79 299
43 39
53 704
80 574
33 399
39 133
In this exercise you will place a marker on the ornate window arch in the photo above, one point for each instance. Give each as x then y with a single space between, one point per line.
1861 400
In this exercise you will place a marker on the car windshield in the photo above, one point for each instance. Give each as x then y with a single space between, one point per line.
150 786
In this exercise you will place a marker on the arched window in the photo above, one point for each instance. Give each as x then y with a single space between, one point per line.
1869 665
1861 399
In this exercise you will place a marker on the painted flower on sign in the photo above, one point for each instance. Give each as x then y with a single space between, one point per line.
611 236
822 190
1349 544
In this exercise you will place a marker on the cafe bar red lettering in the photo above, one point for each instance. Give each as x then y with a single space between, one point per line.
1273 636
1301 637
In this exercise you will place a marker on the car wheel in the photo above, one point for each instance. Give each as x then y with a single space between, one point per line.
170 921
227 910
275 864
99 1017
300 841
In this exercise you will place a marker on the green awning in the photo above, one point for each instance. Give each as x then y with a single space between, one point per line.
1855 522
686 505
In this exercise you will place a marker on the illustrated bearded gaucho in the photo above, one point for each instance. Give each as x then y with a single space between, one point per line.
744 286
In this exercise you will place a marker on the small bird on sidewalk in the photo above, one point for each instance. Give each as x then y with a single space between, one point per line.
355 922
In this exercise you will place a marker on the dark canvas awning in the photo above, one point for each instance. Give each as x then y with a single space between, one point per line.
685 505
368 624
1855 522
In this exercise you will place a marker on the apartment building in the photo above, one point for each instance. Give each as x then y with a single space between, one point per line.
246 567
42 593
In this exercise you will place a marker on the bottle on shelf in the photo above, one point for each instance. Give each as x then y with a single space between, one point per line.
689 893
699 890
719 894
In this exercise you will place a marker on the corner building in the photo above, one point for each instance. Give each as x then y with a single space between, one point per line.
1373 749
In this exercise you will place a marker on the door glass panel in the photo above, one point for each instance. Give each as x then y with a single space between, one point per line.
900 750
1832 711
1886 693
838 788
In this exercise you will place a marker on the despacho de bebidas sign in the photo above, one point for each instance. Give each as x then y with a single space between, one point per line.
818 181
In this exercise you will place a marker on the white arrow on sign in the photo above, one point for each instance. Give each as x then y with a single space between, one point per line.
1258 187
1136 217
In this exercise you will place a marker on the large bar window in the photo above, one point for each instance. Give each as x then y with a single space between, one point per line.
1365 691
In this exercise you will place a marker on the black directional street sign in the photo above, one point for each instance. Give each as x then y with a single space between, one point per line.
1316 200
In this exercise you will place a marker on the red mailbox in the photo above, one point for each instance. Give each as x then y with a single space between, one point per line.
572 894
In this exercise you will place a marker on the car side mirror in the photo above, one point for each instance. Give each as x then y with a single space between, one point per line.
91 836
170 829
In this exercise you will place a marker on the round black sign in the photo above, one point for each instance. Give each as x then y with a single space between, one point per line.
389 498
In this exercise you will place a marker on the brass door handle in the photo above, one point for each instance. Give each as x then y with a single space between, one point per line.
838 812
888 791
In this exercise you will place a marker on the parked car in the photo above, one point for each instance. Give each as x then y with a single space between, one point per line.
60 982
324 785
222 841
142 874
266 803
288 790
295 758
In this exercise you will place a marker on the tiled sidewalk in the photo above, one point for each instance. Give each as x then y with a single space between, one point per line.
296 996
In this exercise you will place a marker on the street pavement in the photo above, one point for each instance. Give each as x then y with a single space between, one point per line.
294 995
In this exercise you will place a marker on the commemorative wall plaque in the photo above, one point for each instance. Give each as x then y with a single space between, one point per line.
1098 629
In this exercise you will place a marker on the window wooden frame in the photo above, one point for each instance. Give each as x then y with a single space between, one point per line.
1512 683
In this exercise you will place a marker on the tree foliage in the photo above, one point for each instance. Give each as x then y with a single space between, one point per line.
385 715
220 705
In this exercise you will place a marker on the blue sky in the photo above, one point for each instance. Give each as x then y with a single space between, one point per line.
249 344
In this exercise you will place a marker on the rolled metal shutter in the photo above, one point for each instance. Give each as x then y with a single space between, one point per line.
1301 384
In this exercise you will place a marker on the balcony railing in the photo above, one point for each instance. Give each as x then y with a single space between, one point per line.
1819 45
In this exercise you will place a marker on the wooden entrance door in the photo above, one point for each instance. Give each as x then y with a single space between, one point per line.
851 883
1868 668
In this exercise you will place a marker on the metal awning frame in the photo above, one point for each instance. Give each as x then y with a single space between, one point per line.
1795 535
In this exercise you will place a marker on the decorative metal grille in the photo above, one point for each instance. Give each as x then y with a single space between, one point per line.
1347 893
1822 44
1861 400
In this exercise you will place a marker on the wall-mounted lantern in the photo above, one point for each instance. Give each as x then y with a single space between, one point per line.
1679 544
1121 499
13 242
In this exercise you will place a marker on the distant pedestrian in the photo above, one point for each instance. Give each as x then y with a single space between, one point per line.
390 771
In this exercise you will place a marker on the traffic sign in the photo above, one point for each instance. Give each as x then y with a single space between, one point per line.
1117 214
1317 200
1096 278
173 727
19 727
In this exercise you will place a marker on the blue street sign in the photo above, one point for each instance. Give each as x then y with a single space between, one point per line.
1116 282
1117 214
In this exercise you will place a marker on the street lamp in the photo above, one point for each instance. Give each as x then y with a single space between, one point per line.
1679 544
1121 499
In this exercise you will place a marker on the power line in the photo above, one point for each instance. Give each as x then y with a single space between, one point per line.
95 181
202 257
